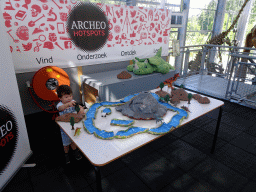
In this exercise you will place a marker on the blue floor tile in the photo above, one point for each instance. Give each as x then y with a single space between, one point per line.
52 180
226 132
218 175
181 184
203 140
236 121
123 180
203 187
246 142
24 186
156 171
183 130
249 187
251 130
182 154
237 159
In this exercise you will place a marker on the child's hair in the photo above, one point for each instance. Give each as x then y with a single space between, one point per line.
63 90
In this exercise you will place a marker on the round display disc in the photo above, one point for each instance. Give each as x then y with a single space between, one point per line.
47 79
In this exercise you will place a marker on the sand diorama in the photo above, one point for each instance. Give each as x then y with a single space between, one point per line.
124 75
135 114
180 94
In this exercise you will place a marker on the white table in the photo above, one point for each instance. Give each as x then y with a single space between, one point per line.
101 152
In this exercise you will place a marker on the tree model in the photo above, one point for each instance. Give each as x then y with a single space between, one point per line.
189 97
72 122
167 98
161 85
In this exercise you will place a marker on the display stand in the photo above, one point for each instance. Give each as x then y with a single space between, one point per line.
14 142
108 87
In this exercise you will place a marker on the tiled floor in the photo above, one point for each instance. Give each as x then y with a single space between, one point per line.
177 162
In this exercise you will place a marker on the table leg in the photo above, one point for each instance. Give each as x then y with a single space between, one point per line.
216 131
98 179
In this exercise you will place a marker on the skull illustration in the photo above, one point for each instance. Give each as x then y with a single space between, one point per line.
150 14
110 37
165 40
35 10
152 25
22 33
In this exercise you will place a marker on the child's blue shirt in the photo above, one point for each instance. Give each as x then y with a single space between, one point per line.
68 110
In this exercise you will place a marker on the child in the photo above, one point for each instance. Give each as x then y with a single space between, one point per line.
67 105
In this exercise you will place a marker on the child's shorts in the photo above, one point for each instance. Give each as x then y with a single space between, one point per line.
65 139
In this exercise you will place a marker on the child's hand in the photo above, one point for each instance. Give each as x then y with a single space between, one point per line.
81 112
71 103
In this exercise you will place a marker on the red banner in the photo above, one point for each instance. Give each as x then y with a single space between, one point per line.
38 35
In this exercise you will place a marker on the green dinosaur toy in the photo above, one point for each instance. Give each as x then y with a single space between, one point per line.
150 65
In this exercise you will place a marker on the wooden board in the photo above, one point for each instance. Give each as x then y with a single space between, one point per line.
90 94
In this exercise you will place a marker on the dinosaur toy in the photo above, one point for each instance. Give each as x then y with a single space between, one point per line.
216 40
171 80
250 42
77 131
159 119
150 65
185 108
222 38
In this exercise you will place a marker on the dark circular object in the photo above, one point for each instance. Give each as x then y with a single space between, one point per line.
8 136
88 27
52 84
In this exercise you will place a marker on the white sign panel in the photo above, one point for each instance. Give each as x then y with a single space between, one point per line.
14 143
37 34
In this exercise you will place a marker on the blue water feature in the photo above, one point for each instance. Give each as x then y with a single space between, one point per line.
175 121
156 96
92 110
88 123
121 122
104 134
164 128
107 110
182 112
128 98
130 131
106 103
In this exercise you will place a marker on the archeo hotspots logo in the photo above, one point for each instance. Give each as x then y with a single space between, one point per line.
8 136
88 27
